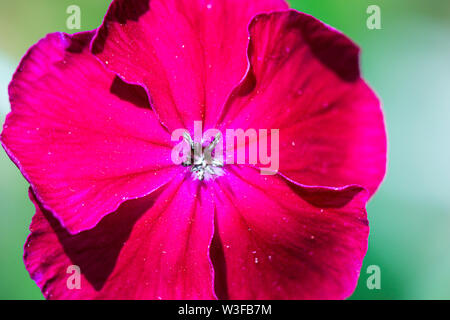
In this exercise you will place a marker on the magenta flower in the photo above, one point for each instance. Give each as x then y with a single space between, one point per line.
90 129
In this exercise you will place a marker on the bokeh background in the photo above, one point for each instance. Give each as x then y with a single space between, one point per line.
407 62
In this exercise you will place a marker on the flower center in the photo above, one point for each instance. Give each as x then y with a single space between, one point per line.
201 161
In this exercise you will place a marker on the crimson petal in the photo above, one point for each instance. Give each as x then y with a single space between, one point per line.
304 80
189 54
156 247
78 138
277 240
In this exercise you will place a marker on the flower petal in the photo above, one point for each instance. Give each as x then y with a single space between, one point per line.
277 240
304 80
189 54
78 137
155 247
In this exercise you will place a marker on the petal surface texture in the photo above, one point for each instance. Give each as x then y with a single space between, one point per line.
189 54
156 247
84 140
277 240
304 80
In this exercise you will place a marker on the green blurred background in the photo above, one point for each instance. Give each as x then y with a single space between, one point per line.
408 64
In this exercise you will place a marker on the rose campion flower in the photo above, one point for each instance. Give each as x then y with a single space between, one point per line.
90 129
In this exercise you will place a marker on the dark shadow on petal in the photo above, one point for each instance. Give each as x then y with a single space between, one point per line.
131 93
332 48
217 256
325 197
96 251
80 41
120 11
242 90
